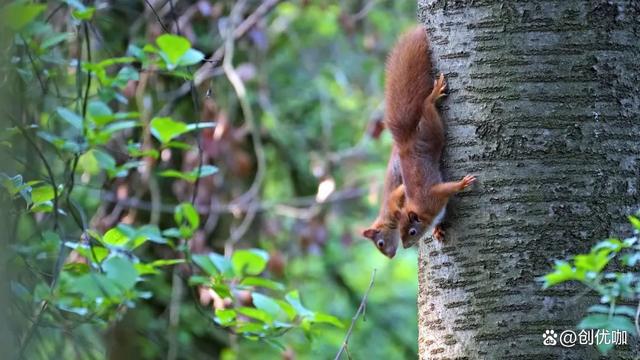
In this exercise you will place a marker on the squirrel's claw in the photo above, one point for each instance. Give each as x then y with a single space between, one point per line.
438 233
467 181
439 87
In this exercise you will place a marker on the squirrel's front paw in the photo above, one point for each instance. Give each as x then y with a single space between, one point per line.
439 88
467 181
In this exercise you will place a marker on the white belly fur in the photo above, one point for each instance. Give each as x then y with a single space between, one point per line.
437 220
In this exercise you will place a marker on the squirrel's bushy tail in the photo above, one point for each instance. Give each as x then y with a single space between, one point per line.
408 83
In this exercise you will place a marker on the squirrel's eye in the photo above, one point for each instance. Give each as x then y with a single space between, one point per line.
380 244
413 232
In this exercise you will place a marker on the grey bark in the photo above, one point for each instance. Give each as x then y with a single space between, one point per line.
544 106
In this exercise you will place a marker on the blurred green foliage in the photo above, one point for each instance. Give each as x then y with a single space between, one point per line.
126 193
616 282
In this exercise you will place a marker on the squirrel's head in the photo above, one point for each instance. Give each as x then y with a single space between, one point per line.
412 226
384 238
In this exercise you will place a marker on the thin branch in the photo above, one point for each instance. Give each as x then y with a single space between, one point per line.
241 93
206 70
33 65
291 207
46 166
157 16
361 309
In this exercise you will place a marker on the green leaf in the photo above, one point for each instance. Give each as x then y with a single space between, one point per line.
593 261
266 304
173 46
635 222
222 290
17 15
42 194
54 39
141 235
166 262
190 57
327 319
187 218
135 150
125 75
192 175
70 117
605 347
257 314
205 263
625 310
563 272
115 237
84 15
99 112
145 269
225 317
88 163
262 282
213 263
602 321
76 268
116 60
250 262
293 298
94 253
289 310
45 206
165 129
199 280
250 328
222 264
121 271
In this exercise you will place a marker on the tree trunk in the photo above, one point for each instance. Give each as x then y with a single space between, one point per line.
544 107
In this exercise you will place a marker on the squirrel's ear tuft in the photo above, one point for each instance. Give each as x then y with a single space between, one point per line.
369 233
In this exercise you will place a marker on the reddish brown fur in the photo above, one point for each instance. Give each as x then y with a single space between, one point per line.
385 227
413 119
408 82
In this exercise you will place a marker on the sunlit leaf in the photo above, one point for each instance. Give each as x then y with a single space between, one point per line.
250 262
165 129
115 237
187 219
191 176
327 319
225 317
42 194
635 222
166 262
173 46
85 15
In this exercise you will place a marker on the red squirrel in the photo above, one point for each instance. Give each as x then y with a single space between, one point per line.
414 122
384 231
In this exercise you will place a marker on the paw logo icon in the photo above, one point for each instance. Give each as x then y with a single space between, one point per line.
549 338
